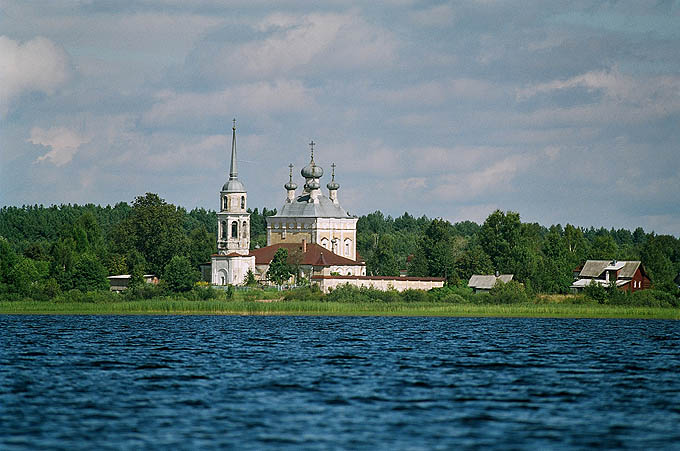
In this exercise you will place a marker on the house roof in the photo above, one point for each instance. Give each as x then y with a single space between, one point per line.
582 283
594 268
302 208
485 282
316 255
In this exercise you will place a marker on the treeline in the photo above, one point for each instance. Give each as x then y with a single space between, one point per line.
541 258
45 251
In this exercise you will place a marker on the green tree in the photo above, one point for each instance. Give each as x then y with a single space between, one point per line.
250 279
473 261
89 274
383 262
179 274
279 269
435 255
498 236
155 229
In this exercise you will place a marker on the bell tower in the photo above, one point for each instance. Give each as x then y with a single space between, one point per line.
233 219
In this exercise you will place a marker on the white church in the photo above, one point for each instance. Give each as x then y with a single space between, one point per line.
318 233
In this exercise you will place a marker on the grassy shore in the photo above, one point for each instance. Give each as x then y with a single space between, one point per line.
240 307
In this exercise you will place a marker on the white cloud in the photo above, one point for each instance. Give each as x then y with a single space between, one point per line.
63 143
260 98
36 65
312 43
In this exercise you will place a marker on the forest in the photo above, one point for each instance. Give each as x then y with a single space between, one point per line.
46 251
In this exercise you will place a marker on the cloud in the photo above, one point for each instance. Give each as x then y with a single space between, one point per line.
63 144
308 44
35 65
437 16
259 98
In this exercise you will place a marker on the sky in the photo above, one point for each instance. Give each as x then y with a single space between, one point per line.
566 112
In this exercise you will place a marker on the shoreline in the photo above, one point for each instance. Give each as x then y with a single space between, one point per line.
317 308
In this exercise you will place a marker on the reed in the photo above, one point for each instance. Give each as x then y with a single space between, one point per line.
167 306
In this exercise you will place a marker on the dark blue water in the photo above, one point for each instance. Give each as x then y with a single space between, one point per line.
97 382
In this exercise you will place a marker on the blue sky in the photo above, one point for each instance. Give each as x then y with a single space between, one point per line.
566 113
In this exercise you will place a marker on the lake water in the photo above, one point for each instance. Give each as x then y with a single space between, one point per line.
145 382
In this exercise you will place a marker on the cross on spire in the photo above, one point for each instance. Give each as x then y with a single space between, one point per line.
333 172
234 124
312 144
291 171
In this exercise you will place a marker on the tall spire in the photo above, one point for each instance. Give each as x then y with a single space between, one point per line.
311 145
233 171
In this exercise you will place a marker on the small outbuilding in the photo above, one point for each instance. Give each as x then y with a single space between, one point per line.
486 282
120 282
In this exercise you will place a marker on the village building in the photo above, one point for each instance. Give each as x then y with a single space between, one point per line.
122 281
626 275
483 283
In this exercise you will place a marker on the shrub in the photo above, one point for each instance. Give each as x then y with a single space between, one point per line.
596 292
452 293
415 296
508 293
310 293
650 298
180 275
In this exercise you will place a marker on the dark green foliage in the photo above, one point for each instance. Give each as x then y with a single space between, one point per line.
89 273
309 293
250 279
498 236
596 292
180 275
508 293
279 269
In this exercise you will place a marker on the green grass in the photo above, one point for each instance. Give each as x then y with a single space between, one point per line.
165 306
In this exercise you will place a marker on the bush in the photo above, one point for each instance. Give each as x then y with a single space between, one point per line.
452 294
508 293
596 292
311 293
415 296
648 298
180 275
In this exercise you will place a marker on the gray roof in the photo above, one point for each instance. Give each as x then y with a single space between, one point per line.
594 268
233 186
487 282
302 208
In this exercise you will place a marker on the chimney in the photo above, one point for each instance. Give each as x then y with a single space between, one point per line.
498 273
304 246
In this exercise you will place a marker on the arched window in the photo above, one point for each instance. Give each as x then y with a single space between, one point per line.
225 203
244 229
243 202
224 230
348 243
234 229
324 242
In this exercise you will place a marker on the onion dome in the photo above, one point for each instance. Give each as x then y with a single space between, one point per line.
312 171
312 185
290 186
333 185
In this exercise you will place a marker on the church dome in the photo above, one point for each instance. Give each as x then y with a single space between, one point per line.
312 185
312 171
234 186
290 186
333 185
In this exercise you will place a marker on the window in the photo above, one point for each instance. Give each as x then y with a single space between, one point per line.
234 229
244 229
348 243
224 230
225 203
243 202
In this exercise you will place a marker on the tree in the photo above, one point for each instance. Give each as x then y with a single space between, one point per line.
89 273
473 261
179 274
250 280
383 261
279 269
498 236
155 229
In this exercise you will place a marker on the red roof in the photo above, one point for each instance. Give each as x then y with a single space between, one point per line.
316 255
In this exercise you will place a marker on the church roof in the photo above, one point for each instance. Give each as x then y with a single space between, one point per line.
316 255
301 207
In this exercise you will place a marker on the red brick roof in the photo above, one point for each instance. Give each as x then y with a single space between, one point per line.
316 255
